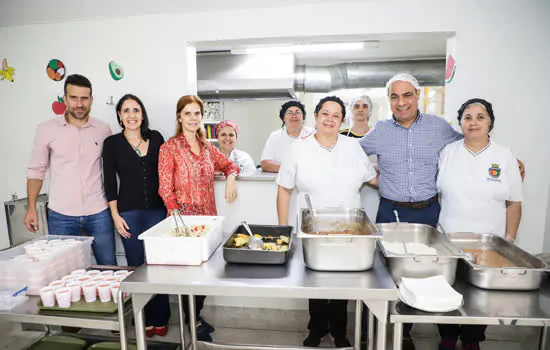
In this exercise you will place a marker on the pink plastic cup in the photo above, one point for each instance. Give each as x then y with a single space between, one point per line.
63 297
90 292
76 291
48 296
104 291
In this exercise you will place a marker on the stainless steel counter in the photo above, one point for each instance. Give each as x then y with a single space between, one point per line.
292 280
487 307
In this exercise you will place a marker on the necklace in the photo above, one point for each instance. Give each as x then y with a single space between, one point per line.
136 147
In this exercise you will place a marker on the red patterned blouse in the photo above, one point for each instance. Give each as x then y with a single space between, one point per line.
186 180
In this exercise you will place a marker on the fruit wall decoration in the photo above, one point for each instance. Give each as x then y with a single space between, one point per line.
6 72
59 106
55 70
116 70
450 69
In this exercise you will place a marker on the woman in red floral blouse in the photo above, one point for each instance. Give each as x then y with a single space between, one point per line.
187 163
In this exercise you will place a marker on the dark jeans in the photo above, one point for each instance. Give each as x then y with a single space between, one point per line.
325 315
157 311
427 216
99 226
468 333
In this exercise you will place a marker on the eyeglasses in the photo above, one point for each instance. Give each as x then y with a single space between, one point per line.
298 113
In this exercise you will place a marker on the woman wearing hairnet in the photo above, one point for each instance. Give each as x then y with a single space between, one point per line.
330 168
361 108
480 191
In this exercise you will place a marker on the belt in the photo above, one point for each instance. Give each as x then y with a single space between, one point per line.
414 205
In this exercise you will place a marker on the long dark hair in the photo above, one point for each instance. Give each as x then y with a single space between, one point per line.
144 128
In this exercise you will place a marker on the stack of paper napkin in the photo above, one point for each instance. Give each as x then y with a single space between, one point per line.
432 294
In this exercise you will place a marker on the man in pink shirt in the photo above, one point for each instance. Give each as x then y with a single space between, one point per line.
70 148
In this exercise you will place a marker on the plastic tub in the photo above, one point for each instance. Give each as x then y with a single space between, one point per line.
162 249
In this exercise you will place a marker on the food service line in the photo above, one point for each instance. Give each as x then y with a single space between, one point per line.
293 280
483 307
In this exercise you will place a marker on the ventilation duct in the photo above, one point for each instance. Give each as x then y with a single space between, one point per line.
366 75
226 76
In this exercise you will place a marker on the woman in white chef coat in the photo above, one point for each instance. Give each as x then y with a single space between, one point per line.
331 168
293 114
480 191
227 132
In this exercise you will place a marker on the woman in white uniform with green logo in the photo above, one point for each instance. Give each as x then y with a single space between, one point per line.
480 191
331 168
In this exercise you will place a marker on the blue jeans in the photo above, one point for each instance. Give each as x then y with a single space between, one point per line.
99 226
157 311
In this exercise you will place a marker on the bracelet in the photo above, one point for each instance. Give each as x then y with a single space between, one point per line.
234 174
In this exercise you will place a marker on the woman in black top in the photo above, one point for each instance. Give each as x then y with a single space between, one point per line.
135 205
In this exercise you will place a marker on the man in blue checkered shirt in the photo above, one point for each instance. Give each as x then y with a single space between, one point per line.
407 147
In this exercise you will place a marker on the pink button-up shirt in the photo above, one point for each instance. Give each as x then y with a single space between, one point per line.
73 156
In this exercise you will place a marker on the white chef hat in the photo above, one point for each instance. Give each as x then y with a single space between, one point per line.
361 98
402 77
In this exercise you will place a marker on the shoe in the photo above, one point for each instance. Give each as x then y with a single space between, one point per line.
447 344
203 334
407 344
208 326
313 340
470 346
341 342
150 331
162 331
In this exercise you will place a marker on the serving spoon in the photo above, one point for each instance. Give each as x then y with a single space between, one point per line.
254 242
308 201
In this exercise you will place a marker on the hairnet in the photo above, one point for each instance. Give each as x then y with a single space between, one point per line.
361 98
230 123
402 77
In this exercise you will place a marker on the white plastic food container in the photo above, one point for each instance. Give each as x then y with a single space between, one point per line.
162 249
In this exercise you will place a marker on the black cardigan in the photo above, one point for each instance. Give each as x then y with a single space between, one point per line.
138 176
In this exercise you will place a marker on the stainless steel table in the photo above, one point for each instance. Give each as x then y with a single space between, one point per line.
487 307
293 280
28 312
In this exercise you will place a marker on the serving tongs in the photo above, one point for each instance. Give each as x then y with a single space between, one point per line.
180 233
310 207
254 242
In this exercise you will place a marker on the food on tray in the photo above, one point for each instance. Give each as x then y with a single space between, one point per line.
270 243
412 248
489 258
192 231
340 228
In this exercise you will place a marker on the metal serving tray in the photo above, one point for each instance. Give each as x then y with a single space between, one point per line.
419 266
252 256
338 252
527 276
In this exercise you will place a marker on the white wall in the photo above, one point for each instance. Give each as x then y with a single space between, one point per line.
501 49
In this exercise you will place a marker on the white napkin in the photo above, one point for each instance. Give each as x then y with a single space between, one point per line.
430 294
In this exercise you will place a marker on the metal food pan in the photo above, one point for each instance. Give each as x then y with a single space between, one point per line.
528 274
338 252
251 256
419 266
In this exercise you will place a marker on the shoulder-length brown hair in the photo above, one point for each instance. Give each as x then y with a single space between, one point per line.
184 101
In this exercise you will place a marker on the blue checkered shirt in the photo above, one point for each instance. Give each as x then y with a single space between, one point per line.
408 158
